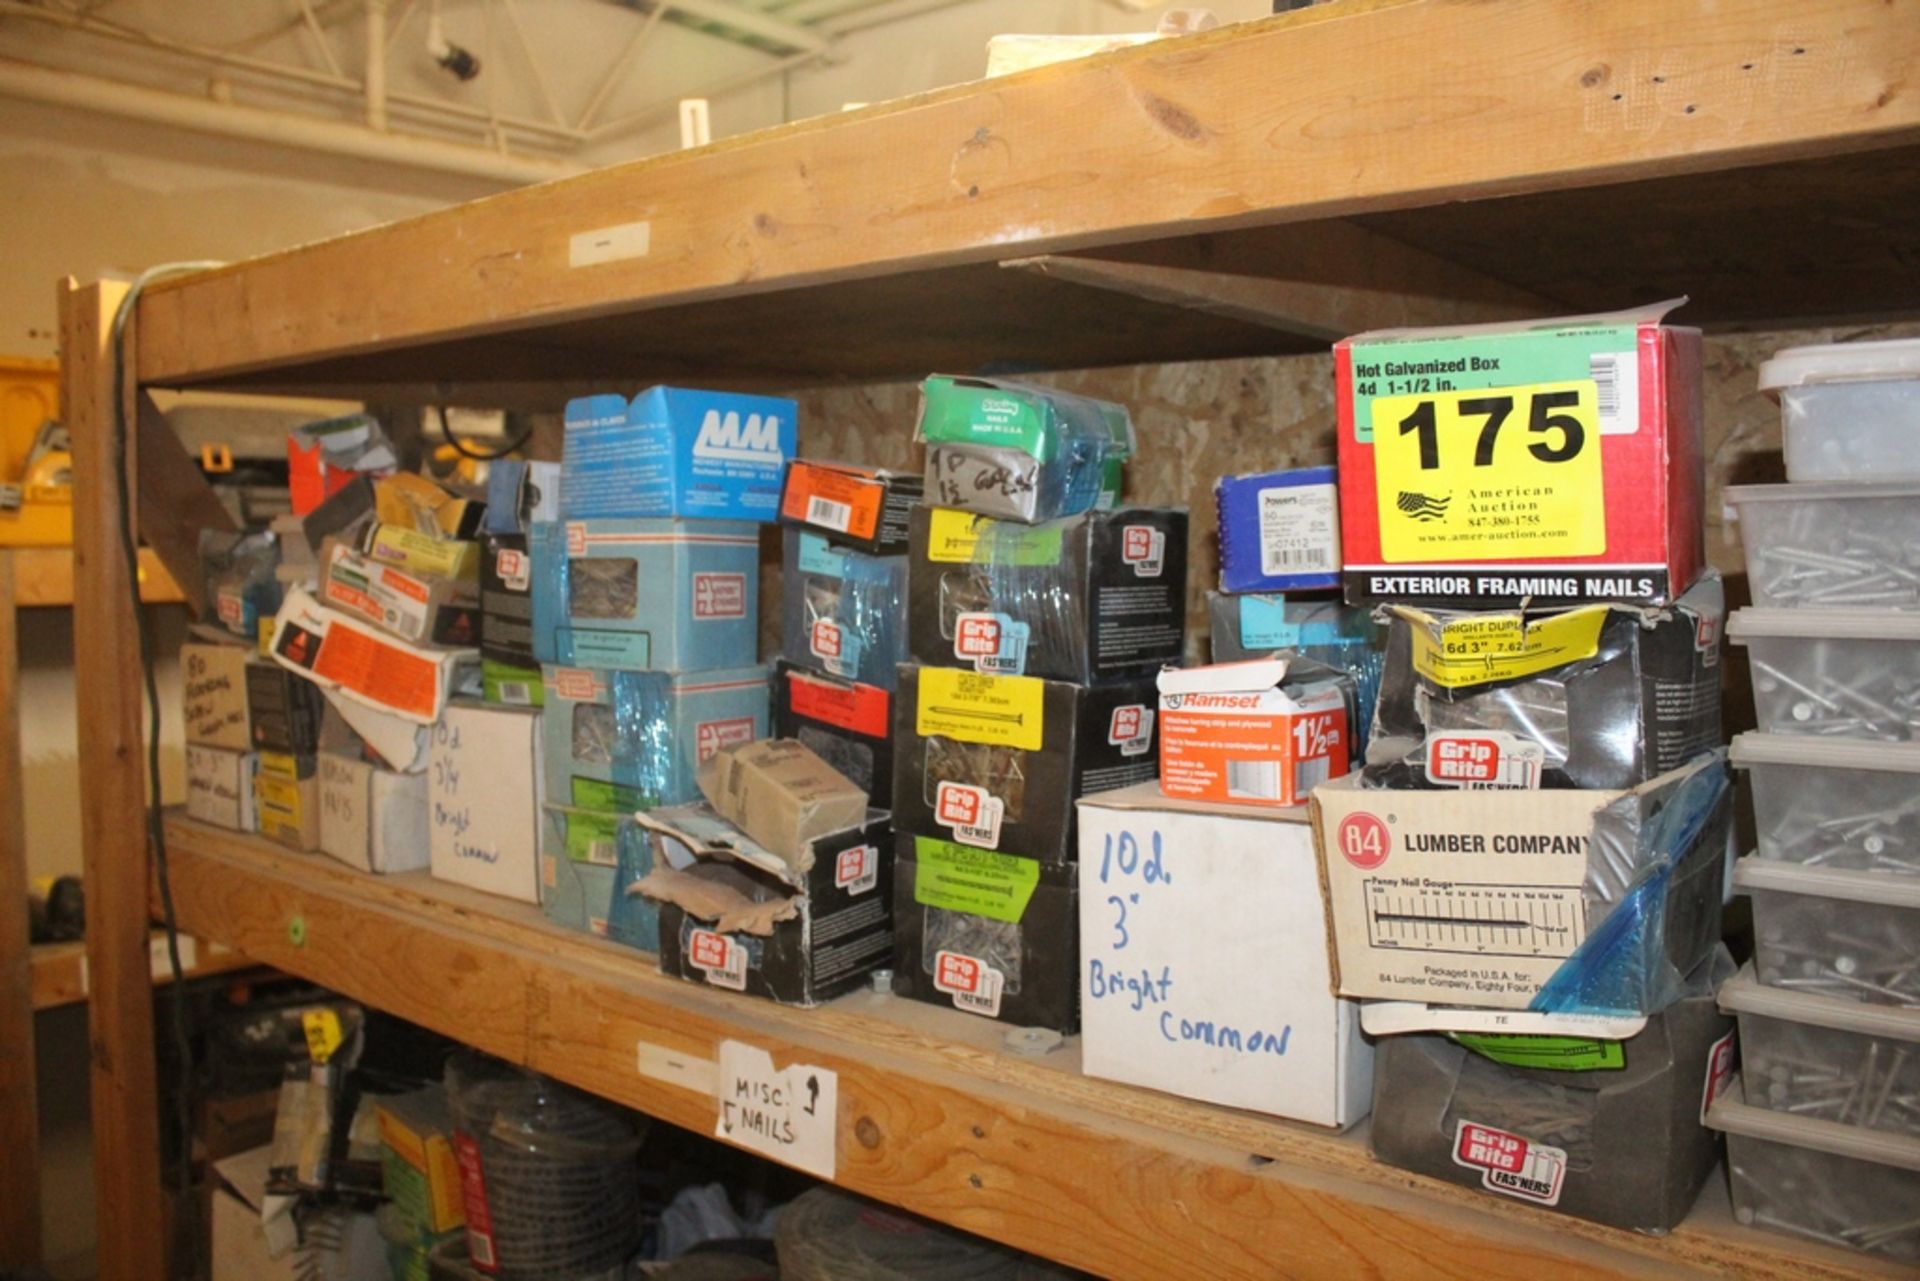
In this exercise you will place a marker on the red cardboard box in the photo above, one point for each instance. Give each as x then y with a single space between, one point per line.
1553 461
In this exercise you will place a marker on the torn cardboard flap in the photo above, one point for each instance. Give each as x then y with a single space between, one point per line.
411 501
721 894
782 795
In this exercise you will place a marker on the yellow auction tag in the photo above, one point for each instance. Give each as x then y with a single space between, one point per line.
1497 474
1501 647
323 1033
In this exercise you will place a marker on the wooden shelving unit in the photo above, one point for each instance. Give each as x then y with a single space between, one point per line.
1253 190
31 979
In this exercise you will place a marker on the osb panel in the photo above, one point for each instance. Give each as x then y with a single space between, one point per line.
1201 420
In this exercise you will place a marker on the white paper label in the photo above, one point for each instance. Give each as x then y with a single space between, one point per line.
973 984
1511 1164
610 244
787 1113
1299 530
857 870
723 960
675 1068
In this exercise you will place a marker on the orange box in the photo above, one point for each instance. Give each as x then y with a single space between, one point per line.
1243 733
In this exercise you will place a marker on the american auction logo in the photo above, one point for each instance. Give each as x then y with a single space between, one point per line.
725 438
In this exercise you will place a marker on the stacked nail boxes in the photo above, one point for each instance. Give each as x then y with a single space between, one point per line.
1825 1135
643 613
1038 613
1524 875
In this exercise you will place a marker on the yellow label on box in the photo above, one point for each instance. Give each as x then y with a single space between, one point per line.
423 554
280 765
323 1033
1494 474
955 537
1005 711
1500 647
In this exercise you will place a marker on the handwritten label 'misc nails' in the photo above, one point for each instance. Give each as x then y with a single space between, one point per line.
790 1114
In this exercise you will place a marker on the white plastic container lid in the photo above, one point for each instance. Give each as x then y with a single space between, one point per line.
1745 994
1819 490
1754 748
1731 1114
1841 362
1825 624
1879 888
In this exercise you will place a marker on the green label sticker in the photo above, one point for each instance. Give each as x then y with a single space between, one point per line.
974 413
1606 354
1559 1053
592 794
979 882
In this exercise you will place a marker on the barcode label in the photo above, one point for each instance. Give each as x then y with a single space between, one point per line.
1616 391
1257 780
1308 775
1300 558
516 692
602 852
481 1248
1299 530
824 511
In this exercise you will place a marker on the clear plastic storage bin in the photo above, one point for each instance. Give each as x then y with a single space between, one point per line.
1845 934
1827 1057
1852 673
1848 411
1836 1183
1831 546
1834 802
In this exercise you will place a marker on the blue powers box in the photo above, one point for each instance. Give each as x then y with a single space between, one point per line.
1279 530
676 453
646 595
623 741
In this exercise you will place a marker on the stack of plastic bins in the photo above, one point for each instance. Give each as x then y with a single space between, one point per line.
1823 1138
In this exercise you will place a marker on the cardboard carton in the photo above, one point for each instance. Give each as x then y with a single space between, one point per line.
419 1171
782 795
1019 451
865 508
286 799
672 452
365 665
996 762
1552 461
1095 597
574 894
424 555
284 709
1262 732
1479 897
845 724
1599 696
324 457
214 708
220 786
740 916
646 595
633 740
1279 530
1203 967
506 601
434 611
483 792
990 934
1608 1130
372 818
843 612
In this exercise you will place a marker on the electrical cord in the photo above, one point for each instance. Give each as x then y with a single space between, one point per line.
156 829
478 455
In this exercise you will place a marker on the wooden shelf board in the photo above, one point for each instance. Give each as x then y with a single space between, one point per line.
935 1115
1640 143
43 576
60 969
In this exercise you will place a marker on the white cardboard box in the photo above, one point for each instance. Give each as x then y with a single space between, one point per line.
483 798
372 818
1204 962
220 786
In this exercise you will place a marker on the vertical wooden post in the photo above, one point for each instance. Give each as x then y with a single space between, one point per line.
113 832
19 1097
